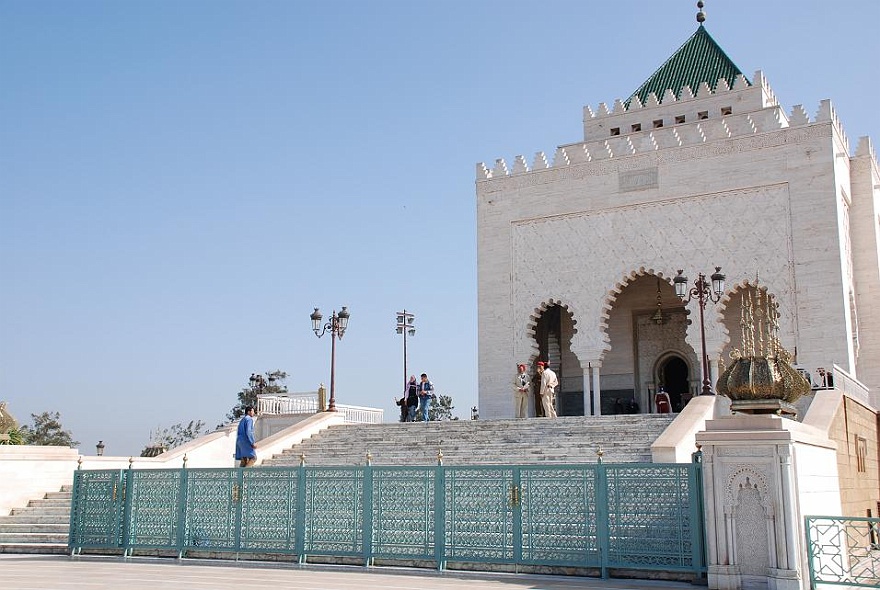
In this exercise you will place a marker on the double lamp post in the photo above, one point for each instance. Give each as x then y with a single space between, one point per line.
702 292
336 326
405 326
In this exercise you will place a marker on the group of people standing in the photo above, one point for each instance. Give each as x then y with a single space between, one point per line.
416 400
522 385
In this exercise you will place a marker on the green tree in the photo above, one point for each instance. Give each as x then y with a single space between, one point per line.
441 408
13 436
269 382
178 434
47 430
10 434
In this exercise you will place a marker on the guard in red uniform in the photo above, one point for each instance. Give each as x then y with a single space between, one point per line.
661 401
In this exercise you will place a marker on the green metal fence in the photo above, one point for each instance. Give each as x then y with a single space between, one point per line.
596 516
843 551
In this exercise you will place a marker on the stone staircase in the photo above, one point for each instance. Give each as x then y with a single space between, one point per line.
41 527
575 439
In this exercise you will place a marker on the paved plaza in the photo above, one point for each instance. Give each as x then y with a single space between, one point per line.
28 572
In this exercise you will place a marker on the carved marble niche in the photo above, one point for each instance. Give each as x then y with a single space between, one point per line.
750 521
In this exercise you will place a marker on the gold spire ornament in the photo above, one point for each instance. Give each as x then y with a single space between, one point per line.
761 379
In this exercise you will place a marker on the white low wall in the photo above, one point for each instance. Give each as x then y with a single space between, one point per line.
296 433
678 441
27 472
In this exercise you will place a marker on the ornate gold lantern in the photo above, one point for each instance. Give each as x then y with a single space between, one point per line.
761 379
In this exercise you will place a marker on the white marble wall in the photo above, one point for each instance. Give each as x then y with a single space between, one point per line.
761 200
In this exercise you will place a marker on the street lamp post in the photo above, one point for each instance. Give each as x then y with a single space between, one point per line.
99 448
703 293
259 385
405 326
337 325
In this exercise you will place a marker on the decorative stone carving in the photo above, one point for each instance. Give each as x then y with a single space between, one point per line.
580 244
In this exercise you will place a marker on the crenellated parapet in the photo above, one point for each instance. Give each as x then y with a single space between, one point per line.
677 106
866 149
826 113
680 119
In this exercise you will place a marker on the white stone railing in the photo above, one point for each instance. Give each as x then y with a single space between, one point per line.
287 403
307 403
361 414
852 387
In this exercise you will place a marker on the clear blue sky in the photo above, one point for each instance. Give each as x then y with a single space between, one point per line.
182 182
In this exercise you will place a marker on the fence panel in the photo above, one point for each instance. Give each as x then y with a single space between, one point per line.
213 514
843 551
334 508
157 497
96 509
404 512
559 520
479 520
269 508
652 526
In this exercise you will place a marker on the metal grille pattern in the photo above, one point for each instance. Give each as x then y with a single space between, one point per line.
334 511
403 512
157 496
843 551
212 508
96 509
479 514
269 510
590 516
651 526
559 516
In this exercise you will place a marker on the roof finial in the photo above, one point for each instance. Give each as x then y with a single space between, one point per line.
701 16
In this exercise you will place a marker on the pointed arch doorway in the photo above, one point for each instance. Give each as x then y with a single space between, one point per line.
673 374
553 331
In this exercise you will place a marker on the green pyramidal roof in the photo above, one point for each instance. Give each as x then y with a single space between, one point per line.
699 60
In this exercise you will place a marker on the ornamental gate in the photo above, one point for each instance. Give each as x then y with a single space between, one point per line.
843 551
594 516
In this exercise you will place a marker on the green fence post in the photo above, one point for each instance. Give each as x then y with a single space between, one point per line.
440 512
516 494
299 543
182 512
603 532
808 530
238 500
698 515
72 532
125 524
367 516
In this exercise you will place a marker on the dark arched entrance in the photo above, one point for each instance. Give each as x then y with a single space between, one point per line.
553 331
673 375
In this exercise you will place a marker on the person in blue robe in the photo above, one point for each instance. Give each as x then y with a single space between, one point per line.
245 446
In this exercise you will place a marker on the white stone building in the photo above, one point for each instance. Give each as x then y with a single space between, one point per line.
699 167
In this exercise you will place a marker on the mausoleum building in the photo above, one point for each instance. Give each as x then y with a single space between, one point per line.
700 167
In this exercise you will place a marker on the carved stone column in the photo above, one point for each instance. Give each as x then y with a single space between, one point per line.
597 393
753 494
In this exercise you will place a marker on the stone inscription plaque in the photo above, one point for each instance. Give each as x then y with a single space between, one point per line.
636 180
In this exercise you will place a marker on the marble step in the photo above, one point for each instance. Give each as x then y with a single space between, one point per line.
41 510
622 438
65 495
33 537
50 503
37 518
33 527
35 548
